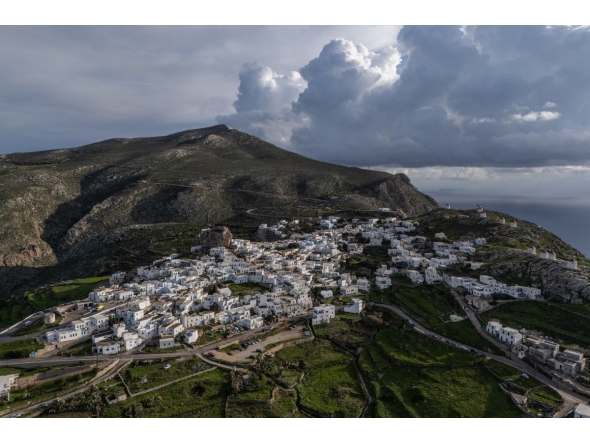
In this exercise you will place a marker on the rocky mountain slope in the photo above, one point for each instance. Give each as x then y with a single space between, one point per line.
89 210
505 254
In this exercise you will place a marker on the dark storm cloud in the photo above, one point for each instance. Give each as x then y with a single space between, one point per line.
475 96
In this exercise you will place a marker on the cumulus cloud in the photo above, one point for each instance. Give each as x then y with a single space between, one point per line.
445 96
264 102
533 116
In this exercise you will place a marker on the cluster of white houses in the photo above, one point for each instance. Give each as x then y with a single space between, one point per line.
172 297
542 350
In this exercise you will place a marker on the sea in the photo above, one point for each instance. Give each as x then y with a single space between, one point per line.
568 220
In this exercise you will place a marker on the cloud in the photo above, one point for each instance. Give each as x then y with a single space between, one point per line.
439 95
72 85
534 116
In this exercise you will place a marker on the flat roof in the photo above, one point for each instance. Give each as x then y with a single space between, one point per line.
583 409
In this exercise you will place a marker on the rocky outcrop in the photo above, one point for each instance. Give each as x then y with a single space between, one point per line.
554 280
215 237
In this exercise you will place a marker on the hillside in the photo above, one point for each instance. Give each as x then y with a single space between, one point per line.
505 253
87 211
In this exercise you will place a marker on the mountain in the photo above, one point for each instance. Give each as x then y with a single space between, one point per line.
114 204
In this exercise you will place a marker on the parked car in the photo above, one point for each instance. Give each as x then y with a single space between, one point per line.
211 354
28 323
167 366
42 406
258 350
251 357
39 313
16 415
524 375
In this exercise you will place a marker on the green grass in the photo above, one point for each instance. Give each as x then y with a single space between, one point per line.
549 319
405 345
284 406
347 329
19 349
45 391
203 396
440 392
259 388
314 354
247 288
18 307
83 348
330 386
546 395
22 372
207 336
142 377
373 359
503 371
527 383
465 333
432 306
111 386
334 391
289 377
232 347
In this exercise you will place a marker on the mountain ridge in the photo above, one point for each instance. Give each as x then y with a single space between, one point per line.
74 212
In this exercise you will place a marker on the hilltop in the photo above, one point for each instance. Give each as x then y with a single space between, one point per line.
87 211
505 254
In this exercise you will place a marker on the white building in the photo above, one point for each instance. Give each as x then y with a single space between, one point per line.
252 323
191 336
6 383
356 307
572 264
108 348
322 314
582 411
510 336
166 341
363 284
432 276
382 282
326 293
513 224
131 340
494 328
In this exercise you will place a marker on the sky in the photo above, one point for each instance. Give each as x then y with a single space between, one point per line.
489 109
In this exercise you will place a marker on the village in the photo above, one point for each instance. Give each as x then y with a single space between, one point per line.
226 287
173 299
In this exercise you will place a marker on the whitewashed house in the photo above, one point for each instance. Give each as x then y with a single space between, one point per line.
108 348
322 314
191 336
356 306
382 282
